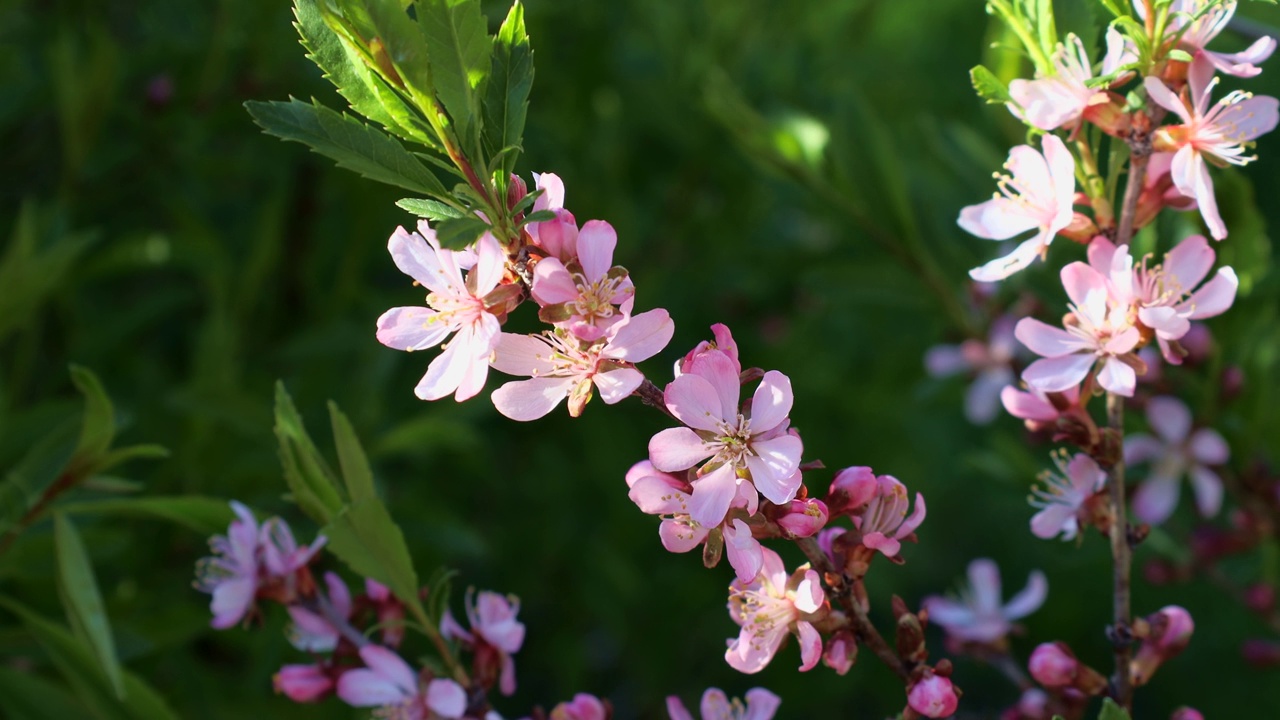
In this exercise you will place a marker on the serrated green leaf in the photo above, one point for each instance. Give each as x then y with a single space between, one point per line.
457 233
345 69
311 483
356 472
506 101
395 37
988 86
365 537
1112 711
99 425
431 209
205 515
459 47
1079 17
347 141
539 216
27 696
83 601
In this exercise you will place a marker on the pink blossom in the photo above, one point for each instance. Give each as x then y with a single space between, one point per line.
589 294
761 705
978 615
558 237
1175 451
1121 51
992 362
389 609
1164 296
493 623
750 444
302 683
563 366
883 521
1062 499
803 518
1170 632
1219 134
311 632
582 707
1098 330
1036 195
1053 665
723 342
852 488
457 305
768 608
282 557
840 652
388 682
231 576
1059 99
1200 21
1038 408
933 697
659 493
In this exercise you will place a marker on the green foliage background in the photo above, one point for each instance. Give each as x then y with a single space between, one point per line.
190 261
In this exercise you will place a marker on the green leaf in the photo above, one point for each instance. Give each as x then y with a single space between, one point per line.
356 472
1112 711
99 425
311 482
352 144
83 601
205 515
431 209
75 661
459 47
457 233
119 455
43 465
34 267
988 86
396 39
539 216
341 64
1182 55
1079 17
27 696
365 537
506 101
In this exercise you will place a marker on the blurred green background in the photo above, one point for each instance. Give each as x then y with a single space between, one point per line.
763 163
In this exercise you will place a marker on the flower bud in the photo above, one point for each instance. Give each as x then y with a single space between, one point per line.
1186 713
1053 665
1170 631
852 488
804 518
1261 653
933 697
516 190
302 683
1260 597
582 707
1107 111
840 652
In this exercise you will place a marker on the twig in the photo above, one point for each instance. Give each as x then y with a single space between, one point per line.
1122 560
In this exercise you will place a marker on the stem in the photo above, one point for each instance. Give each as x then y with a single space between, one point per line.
1140 154
653 396
1122 559
67 480
842 591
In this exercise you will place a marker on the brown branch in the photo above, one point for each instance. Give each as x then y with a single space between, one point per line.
1122 560
64 482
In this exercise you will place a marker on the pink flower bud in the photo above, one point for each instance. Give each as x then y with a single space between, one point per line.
1186 713
1260 597
852 488
302 683
516 190
804 518
1171 630
841 652
446 698
1053 665
582 707
934 697
1261 653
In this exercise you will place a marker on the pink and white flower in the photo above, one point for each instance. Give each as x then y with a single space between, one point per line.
493 624
388 682
1099 330
558 237
311 632
581 707
760 705
589 294
1200 21
1218 134
883 521
1164 296
659 493
992 362
303 683
1063 497
466 307
1037 195
1038 408
934 696
563 366
231 575
1175 451
282 557
769 607
748 444
1060 99
978 615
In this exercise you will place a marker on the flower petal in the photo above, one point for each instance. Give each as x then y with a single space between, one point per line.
810 646
1156 499
773 467
1021 257
1189 261
1030 599
418 260
997 219
771 402
1170 418
552 283
1059 373
526 400
696 403
712 494
1046 340
1208 447
617 385
528 355
677 449
1118 377
641 336
1214 297
596 242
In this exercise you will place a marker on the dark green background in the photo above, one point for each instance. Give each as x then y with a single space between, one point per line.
220 259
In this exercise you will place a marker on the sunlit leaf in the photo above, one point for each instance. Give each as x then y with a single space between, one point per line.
83 601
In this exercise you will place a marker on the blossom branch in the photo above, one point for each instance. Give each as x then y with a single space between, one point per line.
1122 560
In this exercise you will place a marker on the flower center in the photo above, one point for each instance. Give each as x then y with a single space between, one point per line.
595 299
733 444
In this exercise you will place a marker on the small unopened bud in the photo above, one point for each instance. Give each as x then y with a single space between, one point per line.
1261 653
1186 713
302 683
516 190
933 696
804 518
1082 229
910 636
1232 382
1033 704
1053 665
840 652
1169 633
852 488
1107 112
1260 597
